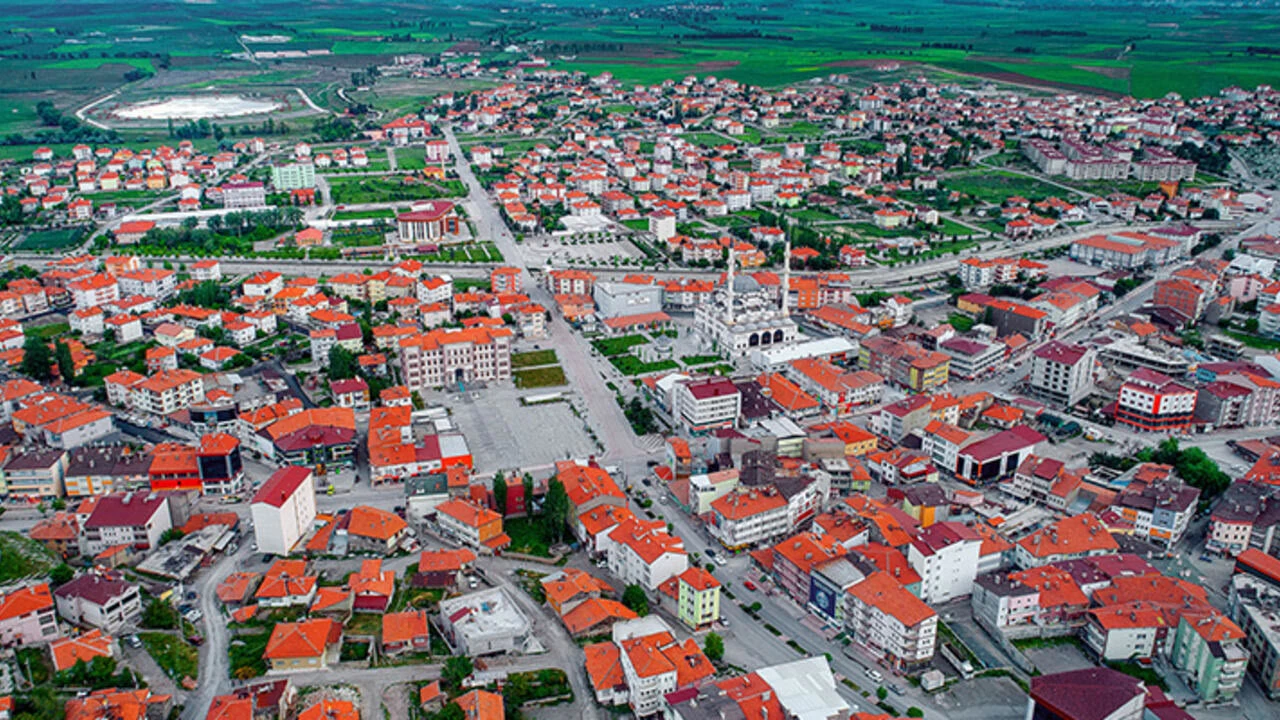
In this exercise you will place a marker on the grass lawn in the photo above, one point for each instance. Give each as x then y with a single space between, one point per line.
528 536
996 187
533 359
637 224
364 624
410 160
416 598
483 252
632 365
364 214
354 651
699 359
814 215
951 228
550 376
50 330
962 323
50 239
245 653
35 661
1254 341
20 556
465 284
618 345
391 188
173 654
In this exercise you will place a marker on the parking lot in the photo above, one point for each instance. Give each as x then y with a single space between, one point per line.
505 435
559 250
990 698
1058 658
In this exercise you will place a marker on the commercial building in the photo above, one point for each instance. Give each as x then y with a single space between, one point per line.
905 363
705 404
620 299
1154 402
1159 505
284 509
1089 694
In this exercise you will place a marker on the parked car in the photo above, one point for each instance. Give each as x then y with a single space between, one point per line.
749 585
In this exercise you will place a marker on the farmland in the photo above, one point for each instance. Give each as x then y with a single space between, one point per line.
79 55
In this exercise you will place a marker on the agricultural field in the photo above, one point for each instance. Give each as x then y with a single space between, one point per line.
88 50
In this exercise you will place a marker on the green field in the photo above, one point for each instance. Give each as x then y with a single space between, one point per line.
391 188
172 654
21 557
47 240
550 376
384 213
996 187
86 49
533 358
618 345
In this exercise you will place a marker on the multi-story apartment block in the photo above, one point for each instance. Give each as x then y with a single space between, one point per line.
946 556
885 618
1062 373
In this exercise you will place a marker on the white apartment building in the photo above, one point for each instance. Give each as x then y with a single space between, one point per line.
167 392
1062 373
644 554
749 516
133 519
705 404
284 509
946 557
150 282
99 602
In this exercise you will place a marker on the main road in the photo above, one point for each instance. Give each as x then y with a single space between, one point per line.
603 413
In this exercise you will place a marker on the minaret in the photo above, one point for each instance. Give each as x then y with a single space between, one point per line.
729 284
786 276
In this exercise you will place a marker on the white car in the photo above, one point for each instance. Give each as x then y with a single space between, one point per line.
875 675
